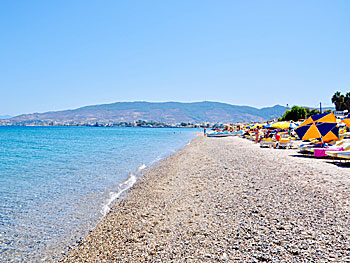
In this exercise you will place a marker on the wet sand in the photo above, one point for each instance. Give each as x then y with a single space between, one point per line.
228 200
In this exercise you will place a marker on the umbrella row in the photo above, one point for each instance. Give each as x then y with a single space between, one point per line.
276 125
323 126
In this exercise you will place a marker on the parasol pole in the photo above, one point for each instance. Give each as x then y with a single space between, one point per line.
322 140
320 135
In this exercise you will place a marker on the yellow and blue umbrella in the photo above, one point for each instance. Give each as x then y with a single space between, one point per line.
281 125
346 120
258 125
293 125
321 126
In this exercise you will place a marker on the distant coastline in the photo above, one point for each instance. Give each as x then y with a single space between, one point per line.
129 125
141 113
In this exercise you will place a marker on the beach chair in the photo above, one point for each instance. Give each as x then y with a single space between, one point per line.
309 148
267 142
334 154
336 142
284 143
347 135
344 155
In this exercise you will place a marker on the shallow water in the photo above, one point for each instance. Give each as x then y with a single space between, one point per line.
57 182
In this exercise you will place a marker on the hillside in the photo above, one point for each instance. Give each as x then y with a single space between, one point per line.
168 112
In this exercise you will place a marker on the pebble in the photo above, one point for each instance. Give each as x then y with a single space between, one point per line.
227 199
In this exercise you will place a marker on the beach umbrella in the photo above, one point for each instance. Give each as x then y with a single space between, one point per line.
267 125
292 125
258 125
281 125
321 126
346 120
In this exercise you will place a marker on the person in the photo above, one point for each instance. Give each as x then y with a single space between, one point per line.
256 135
277 137
205 131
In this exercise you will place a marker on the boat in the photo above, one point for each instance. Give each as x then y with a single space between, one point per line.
219 134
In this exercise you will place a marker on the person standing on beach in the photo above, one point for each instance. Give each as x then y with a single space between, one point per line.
256 135
278 138
205 131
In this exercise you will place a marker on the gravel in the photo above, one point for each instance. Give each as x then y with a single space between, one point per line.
227 200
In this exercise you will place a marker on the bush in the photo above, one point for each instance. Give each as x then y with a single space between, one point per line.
294 114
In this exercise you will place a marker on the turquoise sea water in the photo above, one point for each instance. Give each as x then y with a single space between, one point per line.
57 182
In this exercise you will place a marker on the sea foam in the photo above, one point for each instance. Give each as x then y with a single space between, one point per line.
122 187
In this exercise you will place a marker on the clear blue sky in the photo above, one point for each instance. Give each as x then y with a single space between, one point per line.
66 54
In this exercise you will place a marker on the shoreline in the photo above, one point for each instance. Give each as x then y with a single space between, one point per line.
79 205
226 199
70 240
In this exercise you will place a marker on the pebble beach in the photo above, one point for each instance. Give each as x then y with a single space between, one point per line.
227 200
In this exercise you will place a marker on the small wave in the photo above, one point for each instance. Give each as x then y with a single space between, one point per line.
143 166
115 195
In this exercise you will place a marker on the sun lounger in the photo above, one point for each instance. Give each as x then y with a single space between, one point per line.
321 152
336 143
334 154
347 135
309 148
344 155
267 142
284 143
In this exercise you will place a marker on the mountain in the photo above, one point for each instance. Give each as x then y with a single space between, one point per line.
168 112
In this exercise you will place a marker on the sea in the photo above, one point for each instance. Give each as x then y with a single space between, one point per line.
56 183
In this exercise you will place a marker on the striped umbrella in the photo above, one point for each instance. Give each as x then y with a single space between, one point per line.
323 126
346 120
293 125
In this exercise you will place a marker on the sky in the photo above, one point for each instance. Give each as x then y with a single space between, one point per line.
57 55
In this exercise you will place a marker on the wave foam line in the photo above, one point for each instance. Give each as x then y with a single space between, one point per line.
141 168
127 184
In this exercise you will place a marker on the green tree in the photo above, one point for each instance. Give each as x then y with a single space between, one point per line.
294 114
313 112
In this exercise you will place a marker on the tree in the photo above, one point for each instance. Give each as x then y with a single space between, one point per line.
313 112
347 101
294 114
338 100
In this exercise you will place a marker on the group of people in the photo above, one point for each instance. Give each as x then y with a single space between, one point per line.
260 134
274 134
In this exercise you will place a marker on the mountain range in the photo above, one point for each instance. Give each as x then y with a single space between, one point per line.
167 112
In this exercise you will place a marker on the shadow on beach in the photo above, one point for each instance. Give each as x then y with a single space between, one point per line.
340 164
326 159
302 155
